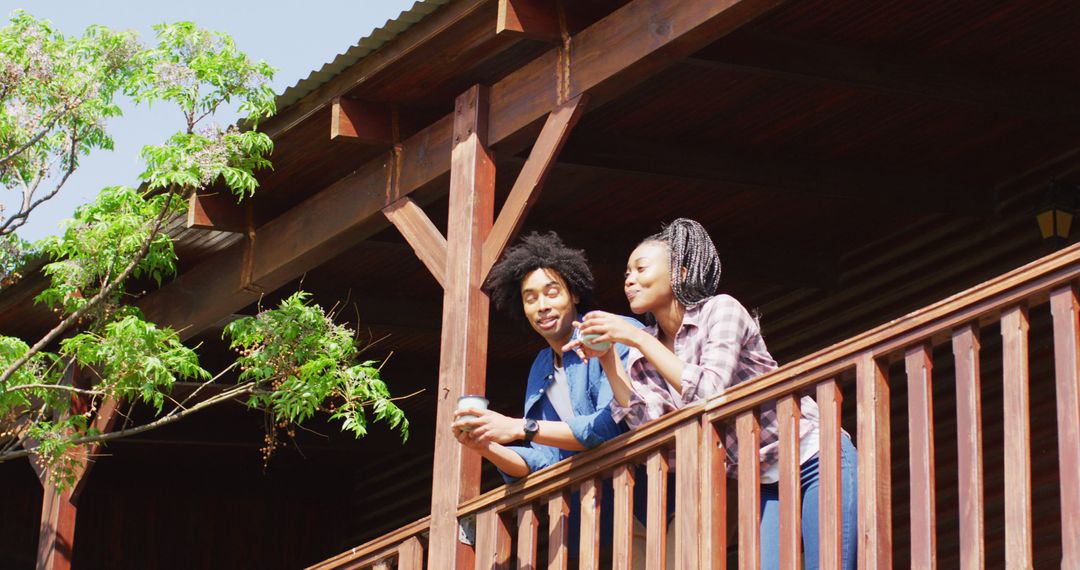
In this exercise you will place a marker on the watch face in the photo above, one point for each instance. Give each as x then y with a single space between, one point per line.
531 425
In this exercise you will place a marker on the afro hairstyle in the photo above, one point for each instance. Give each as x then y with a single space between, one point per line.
532 252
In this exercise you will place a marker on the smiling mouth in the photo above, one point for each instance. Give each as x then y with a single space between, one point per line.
547 322
631 294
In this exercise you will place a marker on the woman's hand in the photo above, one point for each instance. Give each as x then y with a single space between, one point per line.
487 426
609 327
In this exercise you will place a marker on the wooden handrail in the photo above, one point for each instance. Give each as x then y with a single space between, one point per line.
373 550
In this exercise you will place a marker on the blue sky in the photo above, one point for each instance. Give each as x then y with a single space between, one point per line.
294 37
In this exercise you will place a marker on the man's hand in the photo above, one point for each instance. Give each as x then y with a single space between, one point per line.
466 438
488 427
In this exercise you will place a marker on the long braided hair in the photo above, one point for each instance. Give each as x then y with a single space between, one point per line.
691 250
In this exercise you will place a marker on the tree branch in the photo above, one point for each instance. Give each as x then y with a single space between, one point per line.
222 397
23 214
28 387
90 304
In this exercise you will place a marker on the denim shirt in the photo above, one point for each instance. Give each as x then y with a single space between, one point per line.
590 396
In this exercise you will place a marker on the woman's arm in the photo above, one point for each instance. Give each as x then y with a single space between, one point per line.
618 377
666 362
612 328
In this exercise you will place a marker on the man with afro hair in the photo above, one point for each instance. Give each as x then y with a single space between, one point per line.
545 285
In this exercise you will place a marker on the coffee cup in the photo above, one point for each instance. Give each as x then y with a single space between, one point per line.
471 402
587 340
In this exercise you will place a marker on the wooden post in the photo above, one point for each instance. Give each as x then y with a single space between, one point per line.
589 557
788 414
463 351
830 497
919 363
528 527
748 431
56 538
1064 307
965 341
875 463
687 495
623 511
1017 426
712 553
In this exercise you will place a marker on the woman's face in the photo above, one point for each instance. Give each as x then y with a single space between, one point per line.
648 278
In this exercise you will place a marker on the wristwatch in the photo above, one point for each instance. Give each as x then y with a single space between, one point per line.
532 427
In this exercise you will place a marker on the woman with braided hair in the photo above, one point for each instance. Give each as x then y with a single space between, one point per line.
702 344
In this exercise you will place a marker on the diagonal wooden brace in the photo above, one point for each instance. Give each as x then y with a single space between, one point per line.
426 239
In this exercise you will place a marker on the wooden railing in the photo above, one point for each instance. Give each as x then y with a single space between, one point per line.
692 437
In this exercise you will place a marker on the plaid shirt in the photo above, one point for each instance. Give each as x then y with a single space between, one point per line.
721 346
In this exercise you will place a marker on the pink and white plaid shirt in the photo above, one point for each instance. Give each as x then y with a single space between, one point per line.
721 346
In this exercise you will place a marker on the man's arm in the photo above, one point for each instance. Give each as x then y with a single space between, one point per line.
491 426
504 459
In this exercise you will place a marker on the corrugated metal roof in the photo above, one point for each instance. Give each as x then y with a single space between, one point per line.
367 45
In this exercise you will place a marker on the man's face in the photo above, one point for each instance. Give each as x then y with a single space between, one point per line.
548 304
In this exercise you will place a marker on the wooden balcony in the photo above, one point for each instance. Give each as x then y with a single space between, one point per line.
897 357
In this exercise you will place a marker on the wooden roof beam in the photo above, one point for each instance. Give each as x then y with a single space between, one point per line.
621 50
217 211
794 59
532 19
363 122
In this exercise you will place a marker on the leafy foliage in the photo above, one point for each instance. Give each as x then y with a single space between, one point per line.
56 94
304 362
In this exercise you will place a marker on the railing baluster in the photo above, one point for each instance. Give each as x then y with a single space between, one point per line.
918 362
748 431
589 556
965 341
1065 309
622 545
714 547
1017 428
527 535
656 468
687 495
875 463
411 554
830 513
787 417
558 527
492 541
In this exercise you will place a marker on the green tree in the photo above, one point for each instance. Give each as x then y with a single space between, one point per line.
56 94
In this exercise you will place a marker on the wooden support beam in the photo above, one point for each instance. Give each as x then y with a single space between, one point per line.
794 59
426 240
532 19
621 50
530 180
56 534
463 350
216 211
362 122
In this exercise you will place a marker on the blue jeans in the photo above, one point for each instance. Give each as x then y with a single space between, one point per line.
770 512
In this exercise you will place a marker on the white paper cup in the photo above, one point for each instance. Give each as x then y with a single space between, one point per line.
587 341
471 402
